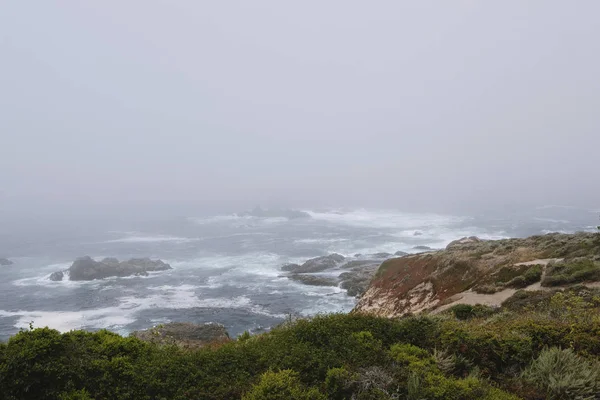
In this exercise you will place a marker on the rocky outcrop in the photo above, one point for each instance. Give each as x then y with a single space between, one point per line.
5 262
315 280
317 264
184 334
357 280
87 269
427 281
57 276
354 276
464 242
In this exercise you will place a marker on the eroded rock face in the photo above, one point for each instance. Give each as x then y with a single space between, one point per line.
184 334
5 262
429 280
87 269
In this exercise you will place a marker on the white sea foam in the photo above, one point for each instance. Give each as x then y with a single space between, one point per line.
384 219
166 297
140 238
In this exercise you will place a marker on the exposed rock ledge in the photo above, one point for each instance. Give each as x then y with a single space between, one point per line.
86 269
184 334
471 270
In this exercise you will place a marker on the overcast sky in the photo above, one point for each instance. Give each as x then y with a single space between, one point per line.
416 105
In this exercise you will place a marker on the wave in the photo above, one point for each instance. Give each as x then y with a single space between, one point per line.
384 218
152 239
117 317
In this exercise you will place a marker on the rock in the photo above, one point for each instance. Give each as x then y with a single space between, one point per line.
357 281
290 267
426 248
57 276
400 253
434 280
317 264
5 262
184 334
463 242
417 233
314 280
86 269
259 212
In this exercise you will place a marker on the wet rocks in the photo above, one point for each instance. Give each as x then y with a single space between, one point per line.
317 264
87 269
314 280
5 262
57 276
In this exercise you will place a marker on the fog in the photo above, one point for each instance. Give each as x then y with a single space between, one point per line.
176 107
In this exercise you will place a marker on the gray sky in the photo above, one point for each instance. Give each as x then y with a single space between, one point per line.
435 105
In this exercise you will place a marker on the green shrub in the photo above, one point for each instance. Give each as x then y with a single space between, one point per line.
339 383
466 311
282 385
562 374
572 271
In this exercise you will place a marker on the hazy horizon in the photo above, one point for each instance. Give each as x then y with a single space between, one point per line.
137 108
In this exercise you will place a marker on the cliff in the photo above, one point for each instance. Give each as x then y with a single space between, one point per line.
473 271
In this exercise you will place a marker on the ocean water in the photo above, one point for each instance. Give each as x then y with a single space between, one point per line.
226 268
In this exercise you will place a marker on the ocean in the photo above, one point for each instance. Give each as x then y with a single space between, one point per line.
226 268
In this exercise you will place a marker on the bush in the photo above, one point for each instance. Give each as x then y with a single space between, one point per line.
562 374
572 271
466 311
282 385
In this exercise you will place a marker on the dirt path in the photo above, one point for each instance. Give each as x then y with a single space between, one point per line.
496 299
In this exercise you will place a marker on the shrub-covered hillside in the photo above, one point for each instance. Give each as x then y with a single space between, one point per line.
539 345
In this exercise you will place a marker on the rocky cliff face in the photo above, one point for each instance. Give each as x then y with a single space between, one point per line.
471 270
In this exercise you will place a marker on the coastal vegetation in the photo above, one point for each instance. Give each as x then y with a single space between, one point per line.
538 345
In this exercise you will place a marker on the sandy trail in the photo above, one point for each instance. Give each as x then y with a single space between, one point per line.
496 299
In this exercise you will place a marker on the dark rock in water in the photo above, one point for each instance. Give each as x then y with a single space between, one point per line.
86 269
357 281
373 256
317 264
426 248
57 276
417 233
290 267
5 262
184 334
400 253
314 280
275 213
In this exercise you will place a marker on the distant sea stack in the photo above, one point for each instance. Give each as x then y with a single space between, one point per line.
5 262
86 269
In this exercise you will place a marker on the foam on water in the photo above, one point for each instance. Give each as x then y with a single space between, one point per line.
137 238
165 297
384 219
